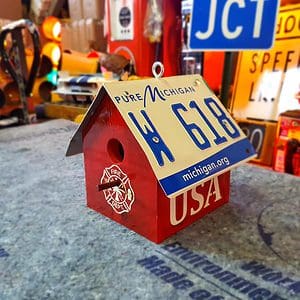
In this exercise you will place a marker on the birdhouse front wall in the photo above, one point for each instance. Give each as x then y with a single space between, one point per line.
112 153
105 161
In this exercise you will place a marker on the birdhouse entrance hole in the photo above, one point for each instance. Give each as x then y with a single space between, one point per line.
115 150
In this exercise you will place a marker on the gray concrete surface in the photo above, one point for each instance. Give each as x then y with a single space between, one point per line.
53 247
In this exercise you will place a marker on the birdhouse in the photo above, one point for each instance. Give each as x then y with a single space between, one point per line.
158 153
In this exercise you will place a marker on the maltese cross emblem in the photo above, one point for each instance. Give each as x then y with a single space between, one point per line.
120 196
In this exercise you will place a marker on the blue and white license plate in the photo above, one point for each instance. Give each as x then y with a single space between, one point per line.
186 133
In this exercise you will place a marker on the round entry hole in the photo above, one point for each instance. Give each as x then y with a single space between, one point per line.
115 150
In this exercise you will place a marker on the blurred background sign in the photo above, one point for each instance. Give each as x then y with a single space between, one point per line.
233 25
267 82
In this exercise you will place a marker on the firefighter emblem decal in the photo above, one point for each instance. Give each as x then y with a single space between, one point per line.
120 196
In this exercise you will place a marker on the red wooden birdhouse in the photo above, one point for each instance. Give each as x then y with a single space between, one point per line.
157 153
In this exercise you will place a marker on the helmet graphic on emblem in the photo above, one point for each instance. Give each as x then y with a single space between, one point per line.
120 197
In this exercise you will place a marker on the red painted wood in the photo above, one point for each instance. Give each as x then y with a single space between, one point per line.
144 52
150 212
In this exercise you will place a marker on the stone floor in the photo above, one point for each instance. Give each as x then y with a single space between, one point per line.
53 247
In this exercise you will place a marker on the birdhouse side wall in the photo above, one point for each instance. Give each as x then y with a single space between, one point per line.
177 213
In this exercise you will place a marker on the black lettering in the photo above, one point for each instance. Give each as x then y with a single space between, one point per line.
125 97
150 262
166 92
265 60
204 262
173 91
161 270
255 268
171 246
288 59
276 60
225 276
259 294
183 284
184 253
289 26
139 97
241 284
212 269
132 97
295 287
279 23
157 267
272 276
254 59
3 253
197 259
276 297
190 255
250 99
180 251
172 277
284 281
117 99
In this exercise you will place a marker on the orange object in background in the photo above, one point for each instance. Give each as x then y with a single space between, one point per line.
46 81
51 28
79 63
52 50
51 37
285 2
213 70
